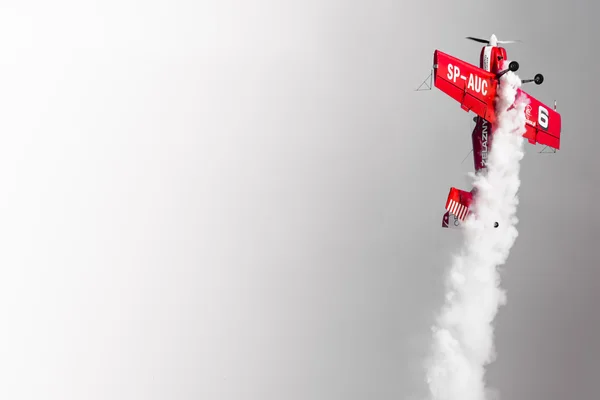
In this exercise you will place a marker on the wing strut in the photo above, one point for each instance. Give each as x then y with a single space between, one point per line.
427 83
544 151
551 151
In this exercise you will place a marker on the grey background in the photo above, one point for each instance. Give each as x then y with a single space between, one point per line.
242 200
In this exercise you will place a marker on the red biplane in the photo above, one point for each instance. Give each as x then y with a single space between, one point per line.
475 89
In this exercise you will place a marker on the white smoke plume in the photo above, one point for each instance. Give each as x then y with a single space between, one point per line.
463 337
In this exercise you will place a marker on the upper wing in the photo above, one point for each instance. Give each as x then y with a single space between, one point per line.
543 124
473 87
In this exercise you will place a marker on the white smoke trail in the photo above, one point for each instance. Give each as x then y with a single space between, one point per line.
463 339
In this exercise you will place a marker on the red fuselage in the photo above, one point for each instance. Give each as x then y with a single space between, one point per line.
491 59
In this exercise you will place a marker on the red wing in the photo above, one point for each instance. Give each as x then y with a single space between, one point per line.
473 87
543 124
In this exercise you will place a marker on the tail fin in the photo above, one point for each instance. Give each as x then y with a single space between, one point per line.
457 208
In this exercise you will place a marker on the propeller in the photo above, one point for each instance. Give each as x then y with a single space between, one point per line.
492 41
477 39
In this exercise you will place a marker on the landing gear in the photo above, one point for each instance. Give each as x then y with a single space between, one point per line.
496 224
512 66
537 79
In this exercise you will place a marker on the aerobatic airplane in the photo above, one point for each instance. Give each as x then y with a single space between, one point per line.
475 89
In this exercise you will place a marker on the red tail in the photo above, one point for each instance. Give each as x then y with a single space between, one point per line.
458 207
